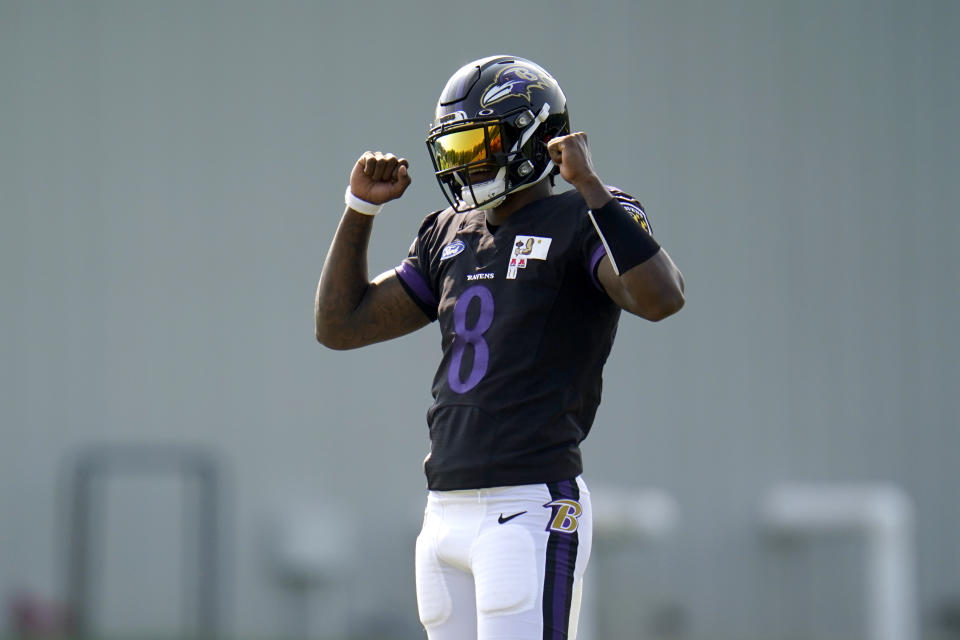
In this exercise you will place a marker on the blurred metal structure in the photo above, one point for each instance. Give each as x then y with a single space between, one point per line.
882 516
622 515
311 549
86 507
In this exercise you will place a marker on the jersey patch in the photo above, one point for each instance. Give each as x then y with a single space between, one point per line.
453 248
633 207
637 214
526 248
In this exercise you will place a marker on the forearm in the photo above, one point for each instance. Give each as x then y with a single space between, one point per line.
653 289
345 278
594 192
637 272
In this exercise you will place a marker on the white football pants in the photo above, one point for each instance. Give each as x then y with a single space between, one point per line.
504 563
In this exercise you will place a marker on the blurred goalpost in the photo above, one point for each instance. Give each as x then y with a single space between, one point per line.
85 503
882 517
879 515
643 516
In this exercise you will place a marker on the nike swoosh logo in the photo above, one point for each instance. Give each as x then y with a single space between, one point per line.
501 519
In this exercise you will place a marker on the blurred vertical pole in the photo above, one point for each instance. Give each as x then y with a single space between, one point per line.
208 565
890 575
80 552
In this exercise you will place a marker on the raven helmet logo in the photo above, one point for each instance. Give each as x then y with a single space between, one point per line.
513 81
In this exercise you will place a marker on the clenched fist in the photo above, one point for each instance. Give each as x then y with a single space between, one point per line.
571 154
379 177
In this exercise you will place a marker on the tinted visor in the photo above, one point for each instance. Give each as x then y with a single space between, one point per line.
467 146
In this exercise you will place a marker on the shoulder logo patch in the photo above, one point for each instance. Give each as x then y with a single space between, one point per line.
526 248
637 214
453 248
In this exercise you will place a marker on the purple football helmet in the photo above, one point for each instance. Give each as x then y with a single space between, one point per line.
489 136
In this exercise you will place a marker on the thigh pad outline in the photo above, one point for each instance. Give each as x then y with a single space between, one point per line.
504 561
433 597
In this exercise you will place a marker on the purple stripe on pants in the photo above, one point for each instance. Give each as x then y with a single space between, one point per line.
564 565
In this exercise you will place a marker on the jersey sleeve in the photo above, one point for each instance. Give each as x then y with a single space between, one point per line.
414 272
593 249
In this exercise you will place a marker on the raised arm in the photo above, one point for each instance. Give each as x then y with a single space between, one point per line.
648 283
350 310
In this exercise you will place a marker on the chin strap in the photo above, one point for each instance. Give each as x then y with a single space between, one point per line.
492 190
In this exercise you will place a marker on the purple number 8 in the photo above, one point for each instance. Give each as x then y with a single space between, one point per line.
472 336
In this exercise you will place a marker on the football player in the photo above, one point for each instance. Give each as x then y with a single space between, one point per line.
527 286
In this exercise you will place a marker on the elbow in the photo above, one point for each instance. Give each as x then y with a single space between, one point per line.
323 337
668 306
329 337
337 346
327 330
661 307
321 331
668 300
334 343
653 293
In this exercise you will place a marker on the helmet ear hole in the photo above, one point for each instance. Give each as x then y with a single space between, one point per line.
524 169
523 119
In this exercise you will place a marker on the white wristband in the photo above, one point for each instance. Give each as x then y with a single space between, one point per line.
360 206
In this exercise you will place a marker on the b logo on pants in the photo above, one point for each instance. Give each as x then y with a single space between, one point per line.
565 514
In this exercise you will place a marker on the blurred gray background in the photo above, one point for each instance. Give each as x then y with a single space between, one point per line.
171 174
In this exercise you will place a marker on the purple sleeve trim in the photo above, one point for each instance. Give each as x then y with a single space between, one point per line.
417 284
598 254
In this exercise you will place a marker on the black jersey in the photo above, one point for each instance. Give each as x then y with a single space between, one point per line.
526 329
